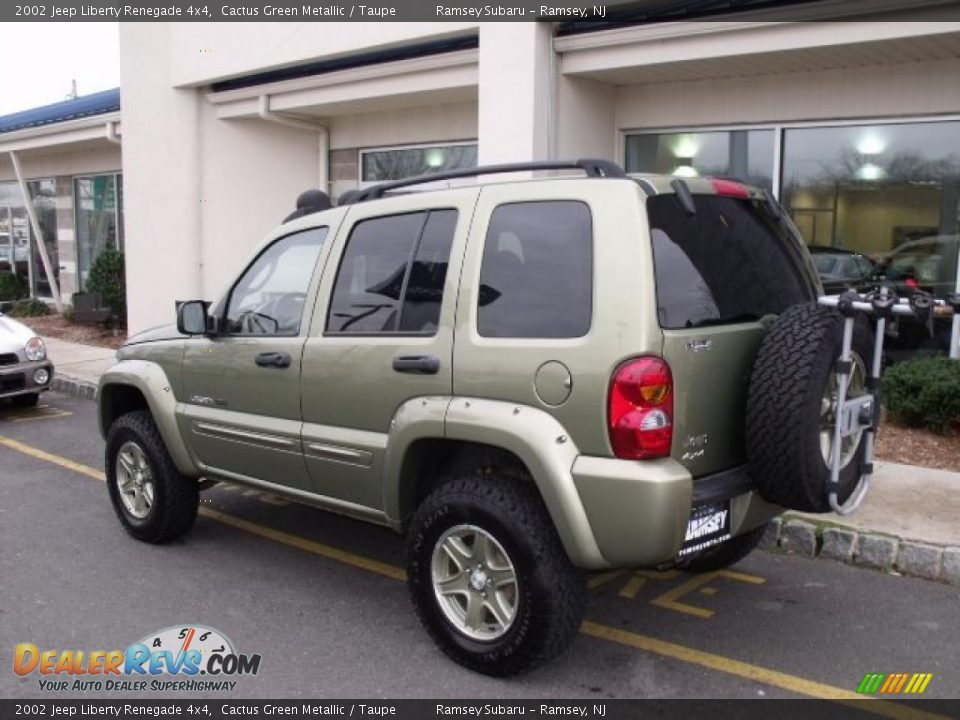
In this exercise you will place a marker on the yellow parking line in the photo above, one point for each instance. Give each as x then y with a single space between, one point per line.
51 458
723 664
719 663
332 553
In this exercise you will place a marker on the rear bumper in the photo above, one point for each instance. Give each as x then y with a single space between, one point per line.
638 511
20 379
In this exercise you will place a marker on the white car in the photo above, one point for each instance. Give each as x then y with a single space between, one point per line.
25 371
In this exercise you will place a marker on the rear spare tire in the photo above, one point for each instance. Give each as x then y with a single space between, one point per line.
791 408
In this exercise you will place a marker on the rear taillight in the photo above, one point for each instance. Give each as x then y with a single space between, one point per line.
640 409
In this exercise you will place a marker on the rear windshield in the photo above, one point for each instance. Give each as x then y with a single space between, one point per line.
731 262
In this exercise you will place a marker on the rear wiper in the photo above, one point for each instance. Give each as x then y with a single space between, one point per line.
705 322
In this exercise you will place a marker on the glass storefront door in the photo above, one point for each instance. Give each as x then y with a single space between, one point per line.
18 249
99 212
43 195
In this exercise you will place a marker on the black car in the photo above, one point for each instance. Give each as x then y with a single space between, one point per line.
840 269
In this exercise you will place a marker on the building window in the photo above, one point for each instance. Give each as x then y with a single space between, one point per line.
746 154
19 251
877 201
887 191
98 203
383 165
536 280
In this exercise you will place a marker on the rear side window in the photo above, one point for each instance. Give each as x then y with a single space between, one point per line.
536 280
392 274
728 263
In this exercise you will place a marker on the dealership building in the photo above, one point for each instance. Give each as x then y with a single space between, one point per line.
65 158
854 124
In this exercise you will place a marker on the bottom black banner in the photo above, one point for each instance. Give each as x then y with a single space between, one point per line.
439 709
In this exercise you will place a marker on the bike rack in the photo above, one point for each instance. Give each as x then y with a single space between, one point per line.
863 413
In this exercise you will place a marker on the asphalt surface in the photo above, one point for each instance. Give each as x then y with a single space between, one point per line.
319 597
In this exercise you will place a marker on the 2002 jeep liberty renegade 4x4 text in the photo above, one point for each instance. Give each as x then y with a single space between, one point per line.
528 379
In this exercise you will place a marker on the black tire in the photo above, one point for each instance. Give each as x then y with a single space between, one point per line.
551 592
176 497
26 401
789 379
726 554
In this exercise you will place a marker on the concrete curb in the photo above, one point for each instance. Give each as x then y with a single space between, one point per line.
74 386
863 548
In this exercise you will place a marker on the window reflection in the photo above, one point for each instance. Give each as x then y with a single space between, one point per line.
745 154
872 188
400 163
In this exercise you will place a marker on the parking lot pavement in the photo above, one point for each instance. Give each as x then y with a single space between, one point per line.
319 597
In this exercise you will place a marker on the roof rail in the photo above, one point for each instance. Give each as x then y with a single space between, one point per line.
592 167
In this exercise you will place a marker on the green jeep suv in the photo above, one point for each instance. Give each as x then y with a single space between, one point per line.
526 378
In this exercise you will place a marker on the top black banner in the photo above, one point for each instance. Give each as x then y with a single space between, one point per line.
577 15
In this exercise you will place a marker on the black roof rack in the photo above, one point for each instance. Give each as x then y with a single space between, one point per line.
592 167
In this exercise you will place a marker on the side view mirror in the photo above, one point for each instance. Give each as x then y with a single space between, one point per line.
192 317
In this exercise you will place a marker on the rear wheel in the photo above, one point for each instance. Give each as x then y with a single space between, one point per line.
153 501
489 577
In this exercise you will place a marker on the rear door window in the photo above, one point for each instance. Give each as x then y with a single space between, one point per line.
392 274
731 262
536 280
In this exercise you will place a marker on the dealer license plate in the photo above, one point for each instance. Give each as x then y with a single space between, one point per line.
709 525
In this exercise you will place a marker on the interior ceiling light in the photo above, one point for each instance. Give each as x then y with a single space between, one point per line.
434 157
685 148
870 172
871 145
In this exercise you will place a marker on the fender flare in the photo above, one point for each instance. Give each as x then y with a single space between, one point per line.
532 435
152 382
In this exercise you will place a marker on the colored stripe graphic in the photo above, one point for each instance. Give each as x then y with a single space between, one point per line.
870 683
894 683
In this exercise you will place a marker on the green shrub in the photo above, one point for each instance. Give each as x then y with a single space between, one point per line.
31 307
11 286
108 280
924 392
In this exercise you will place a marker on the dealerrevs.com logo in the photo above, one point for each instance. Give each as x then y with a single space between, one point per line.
188 658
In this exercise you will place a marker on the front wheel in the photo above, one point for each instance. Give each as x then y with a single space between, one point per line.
489 577
153 501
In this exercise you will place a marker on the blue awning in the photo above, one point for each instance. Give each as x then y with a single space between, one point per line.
84 106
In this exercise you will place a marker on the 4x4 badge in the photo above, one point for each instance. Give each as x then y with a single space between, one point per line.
204 400
699 346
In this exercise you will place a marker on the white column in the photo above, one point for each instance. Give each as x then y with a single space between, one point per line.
586 119
515 92
161 179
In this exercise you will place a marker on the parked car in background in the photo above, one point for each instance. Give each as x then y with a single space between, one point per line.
840 269
25 370
929 265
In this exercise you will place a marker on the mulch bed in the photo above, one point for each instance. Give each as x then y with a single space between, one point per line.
56 326
914 446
